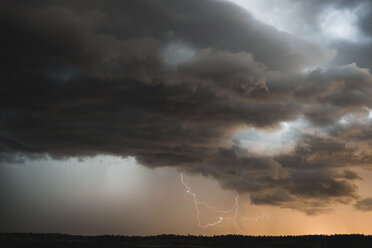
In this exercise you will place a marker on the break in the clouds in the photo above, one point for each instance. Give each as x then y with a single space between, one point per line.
206 86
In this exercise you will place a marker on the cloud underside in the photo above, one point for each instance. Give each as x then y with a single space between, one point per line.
170 82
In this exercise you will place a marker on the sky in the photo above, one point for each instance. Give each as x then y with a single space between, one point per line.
144 117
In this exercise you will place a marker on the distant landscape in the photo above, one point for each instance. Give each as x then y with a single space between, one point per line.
64 240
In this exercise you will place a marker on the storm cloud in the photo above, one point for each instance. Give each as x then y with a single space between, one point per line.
171 82
364 204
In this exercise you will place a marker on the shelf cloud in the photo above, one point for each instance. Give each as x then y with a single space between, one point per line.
172 82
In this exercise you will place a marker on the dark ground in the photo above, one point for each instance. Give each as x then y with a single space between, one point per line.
61 240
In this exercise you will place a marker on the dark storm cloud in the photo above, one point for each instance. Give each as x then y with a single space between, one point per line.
350 175
304 182
364 204
92 83
169 82
357 132
312 152
326 95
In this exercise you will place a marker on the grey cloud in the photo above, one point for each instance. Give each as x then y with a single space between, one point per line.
354 46
310 24
119 101
81 79
101 30
318 152
354 131
364 204
270 181
276 197
238 71
349 175
326 95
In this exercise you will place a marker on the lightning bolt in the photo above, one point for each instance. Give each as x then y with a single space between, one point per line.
220 213
257 218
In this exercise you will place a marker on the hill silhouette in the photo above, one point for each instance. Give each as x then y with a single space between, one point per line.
160 241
